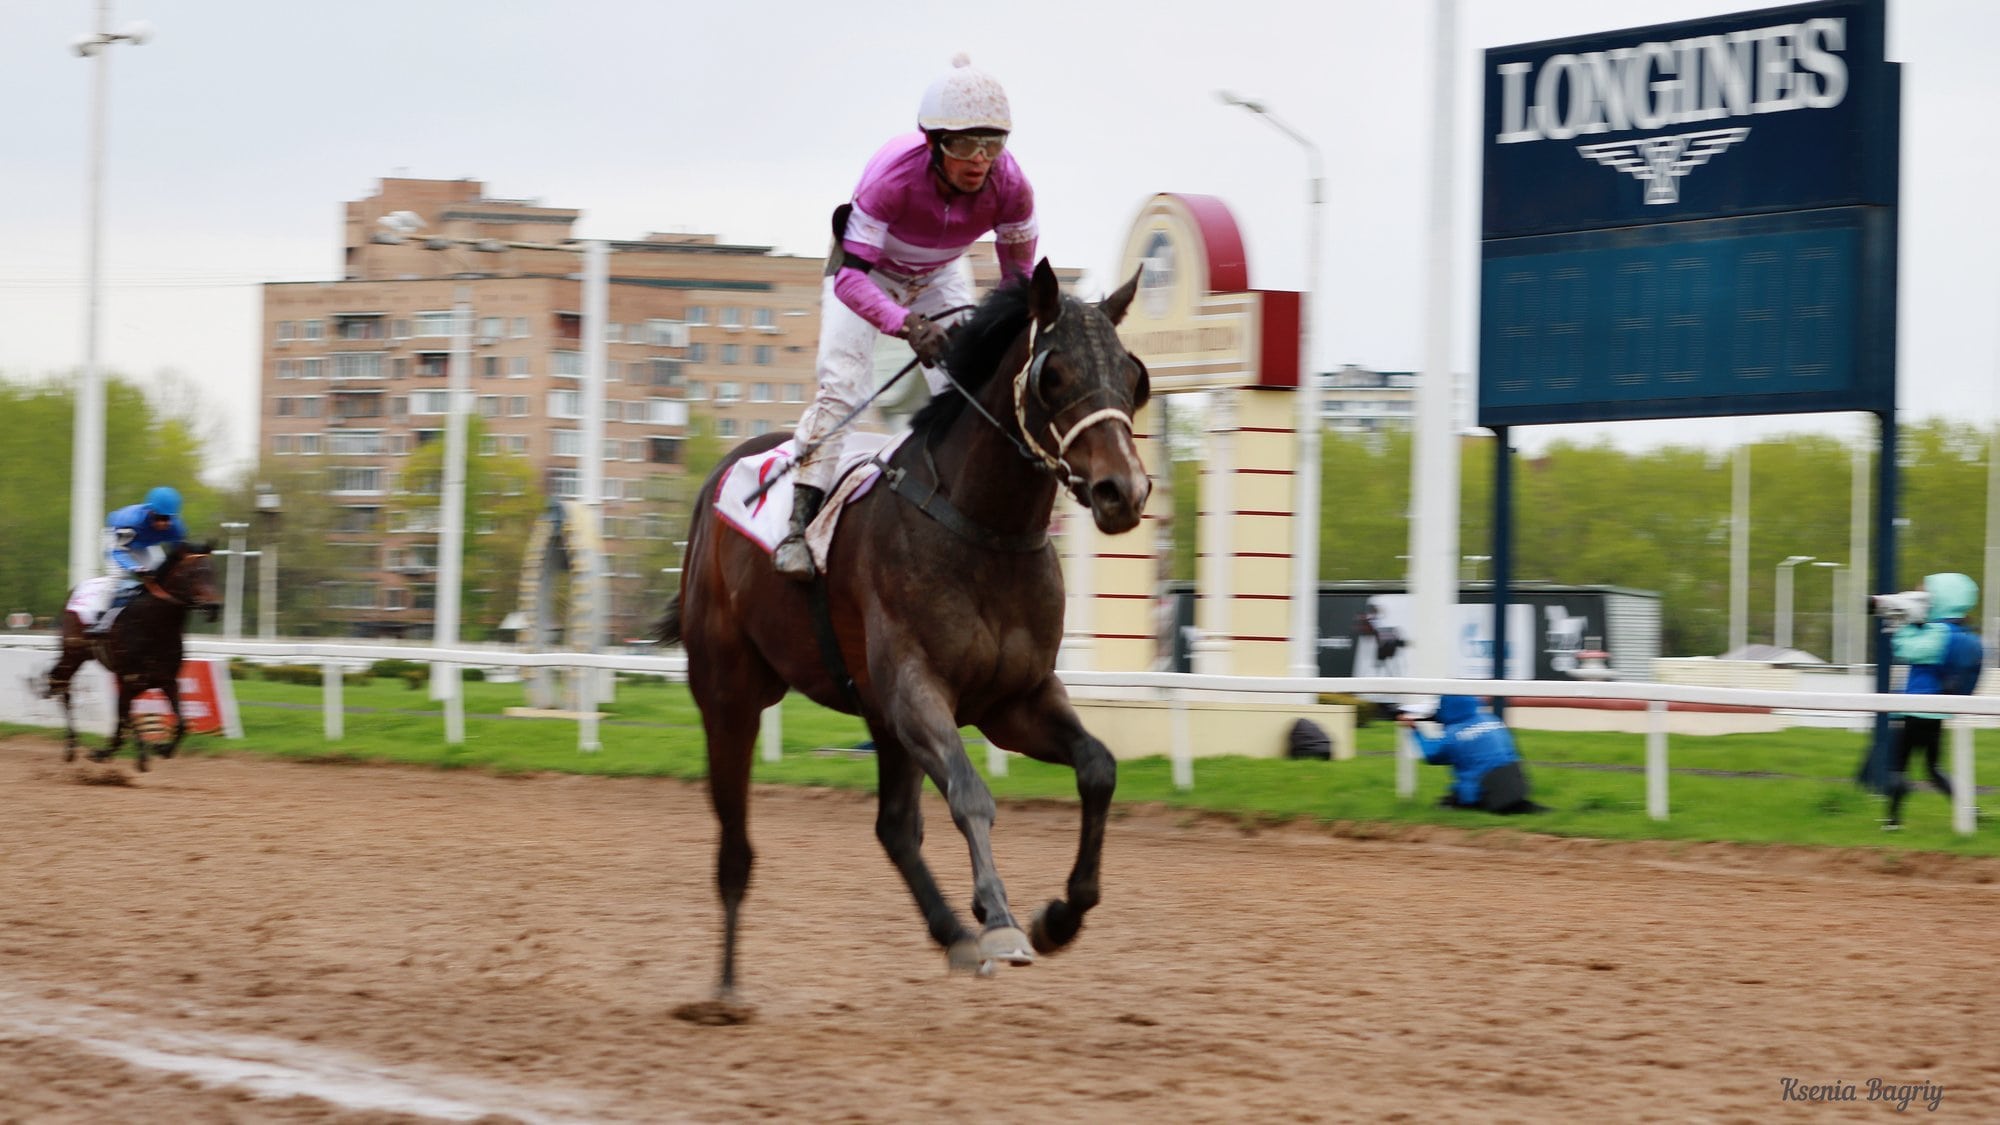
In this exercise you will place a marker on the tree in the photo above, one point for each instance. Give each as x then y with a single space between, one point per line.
502 499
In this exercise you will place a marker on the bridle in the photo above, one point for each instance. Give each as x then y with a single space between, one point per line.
151 582
1055 463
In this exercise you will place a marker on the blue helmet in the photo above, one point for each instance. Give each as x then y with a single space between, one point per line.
164 501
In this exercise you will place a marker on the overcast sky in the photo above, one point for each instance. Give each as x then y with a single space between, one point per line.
238 132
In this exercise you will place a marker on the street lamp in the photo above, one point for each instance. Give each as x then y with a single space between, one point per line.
268 507
1782 634
1305 509
86 481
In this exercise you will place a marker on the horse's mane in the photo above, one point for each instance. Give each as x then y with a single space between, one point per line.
977 346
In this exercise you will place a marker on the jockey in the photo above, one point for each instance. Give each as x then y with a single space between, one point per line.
136 541
923 200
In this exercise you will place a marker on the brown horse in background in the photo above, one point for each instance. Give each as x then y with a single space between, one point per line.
946 604
143 647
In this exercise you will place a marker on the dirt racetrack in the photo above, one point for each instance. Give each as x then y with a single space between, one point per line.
236 939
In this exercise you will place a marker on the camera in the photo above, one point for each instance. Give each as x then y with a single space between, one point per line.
1911 607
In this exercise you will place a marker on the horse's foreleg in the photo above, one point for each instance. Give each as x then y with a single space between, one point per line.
121 719
1047 729
921 722
172 690
899 825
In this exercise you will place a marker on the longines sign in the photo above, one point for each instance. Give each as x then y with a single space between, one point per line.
1742 114
1690 220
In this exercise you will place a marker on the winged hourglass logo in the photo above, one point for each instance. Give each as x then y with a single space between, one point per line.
1660 162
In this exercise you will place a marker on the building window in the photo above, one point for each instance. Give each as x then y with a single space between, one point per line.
315 330
794 393
430 402
666 333
287 330
765 353
565 443
349 478
309 406
697 316
666 372
517 444
764 320
311 368
517 367
309 445
732 317
565 404
399 329
726 427
730 353
759 428
729 392
565 483
436 322
696 390
489 366
491 328
521 328
284 406
566 363
614 333
517 406
281 444
664 450
489 406
697 353
760 392
357 365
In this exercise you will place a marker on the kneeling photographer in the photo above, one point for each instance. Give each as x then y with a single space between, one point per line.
1486 771
1927 632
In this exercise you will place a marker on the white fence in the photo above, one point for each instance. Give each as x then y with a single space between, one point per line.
1168 687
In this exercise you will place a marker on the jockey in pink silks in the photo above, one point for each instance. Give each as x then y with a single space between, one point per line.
922 202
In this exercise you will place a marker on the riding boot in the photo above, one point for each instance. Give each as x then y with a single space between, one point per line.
792 557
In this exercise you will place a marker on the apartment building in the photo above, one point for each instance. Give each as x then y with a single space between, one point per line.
354 374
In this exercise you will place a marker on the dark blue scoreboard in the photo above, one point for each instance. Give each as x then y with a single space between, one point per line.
1692 219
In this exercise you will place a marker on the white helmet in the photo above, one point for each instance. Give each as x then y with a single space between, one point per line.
964 99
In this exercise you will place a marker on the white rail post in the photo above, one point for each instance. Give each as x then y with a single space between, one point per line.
1964 820
1656 759
996 760
330 684
454 707
586 716
1180 743
1406 762
774 732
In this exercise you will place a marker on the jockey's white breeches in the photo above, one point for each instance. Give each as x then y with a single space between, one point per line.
847 356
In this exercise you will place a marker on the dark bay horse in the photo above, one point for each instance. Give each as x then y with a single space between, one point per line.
142 649
946 601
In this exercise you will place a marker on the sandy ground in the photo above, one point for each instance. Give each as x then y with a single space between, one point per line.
231 939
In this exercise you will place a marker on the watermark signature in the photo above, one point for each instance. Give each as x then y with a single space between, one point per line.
1902 1095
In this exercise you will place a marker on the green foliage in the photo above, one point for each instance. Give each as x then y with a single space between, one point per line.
393 669
307 674
503 498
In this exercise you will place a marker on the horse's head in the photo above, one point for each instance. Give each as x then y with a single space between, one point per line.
1075 398
188 577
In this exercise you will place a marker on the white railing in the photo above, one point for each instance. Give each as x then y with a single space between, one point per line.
1171 688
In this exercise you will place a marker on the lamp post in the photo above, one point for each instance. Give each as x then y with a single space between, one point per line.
232 609
268 507
1305 505
86 481
1782 632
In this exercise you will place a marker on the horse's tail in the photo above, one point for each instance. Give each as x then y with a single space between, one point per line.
669 629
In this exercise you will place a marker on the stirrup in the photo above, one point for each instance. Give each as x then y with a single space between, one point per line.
793 559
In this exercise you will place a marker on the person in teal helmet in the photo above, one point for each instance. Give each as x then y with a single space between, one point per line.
136 540
1944 658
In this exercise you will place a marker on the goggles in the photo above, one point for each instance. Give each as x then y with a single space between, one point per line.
966 146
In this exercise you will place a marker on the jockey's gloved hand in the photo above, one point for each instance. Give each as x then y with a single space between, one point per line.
926 338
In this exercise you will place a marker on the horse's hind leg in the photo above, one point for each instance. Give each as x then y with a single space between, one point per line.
121 720
899 825
1045 727
172 690
732 695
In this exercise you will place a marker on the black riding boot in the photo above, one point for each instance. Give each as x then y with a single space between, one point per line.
792 557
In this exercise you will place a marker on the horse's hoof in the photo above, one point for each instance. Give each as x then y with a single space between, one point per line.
719 1012
100 755
1006 944
144 765
69 753
1053 927
964 956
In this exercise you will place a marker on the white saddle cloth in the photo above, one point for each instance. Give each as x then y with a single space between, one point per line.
92 597
766 519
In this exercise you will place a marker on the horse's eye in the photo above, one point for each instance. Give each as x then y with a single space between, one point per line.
1049 380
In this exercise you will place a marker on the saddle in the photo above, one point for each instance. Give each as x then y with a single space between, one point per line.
766 519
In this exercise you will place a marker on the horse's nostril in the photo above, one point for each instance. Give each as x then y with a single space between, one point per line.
1106 494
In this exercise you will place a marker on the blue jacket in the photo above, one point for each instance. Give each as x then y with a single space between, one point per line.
130 535
1473 743
1944 656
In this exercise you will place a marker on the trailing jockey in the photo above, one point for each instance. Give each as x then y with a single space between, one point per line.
136 541
899 265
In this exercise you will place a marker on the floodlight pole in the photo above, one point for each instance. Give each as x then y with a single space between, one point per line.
86 487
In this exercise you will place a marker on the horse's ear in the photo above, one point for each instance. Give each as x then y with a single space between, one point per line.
1045 294
1120 300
